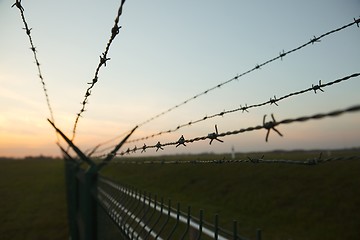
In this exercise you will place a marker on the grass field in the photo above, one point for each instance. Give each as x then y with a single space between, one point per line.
285 201
32 200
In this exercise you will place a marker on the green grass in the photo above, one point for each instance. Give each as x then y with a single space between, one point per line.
285 201
32 200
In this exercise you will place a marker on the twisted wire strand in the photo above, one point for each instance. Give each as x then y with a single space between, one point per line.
103 59
34 51
93 150
247 107
266 125
313 161
257 67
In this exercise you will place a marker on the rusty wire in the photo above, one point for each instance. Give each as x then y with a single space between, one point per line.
257 67
266 125
103 59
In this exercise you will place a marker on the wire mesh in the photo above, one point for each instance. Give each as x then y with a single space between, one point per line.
140 216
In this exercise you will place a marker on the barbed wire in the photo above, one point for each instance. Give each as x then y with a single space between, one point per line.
93 150
34 51
257 67
245 108
241 108
270 125
311 161
213 136
103 59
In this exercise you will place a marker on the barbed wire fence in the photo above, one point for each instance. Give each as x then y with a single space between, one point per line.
102 63
248 159
315 88
245 108
28 30
87 177
257 67
268 126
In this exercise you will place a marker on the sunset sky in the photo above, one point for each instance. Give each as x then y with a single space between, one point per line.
167 52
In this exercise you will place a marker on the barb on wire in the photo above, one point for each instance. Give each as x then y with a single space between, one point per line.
103 59
315 161
246 107
357 21
128 151
257 66
134 149
273 101
267 126
143 148
282 54
256 160
33 49
270 125
158 146
18 5
317 87
181 141
315 40
214 136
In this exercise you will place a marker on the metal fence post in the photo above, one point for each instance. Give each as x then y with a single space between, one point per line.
129 211
216 232
88 204
235 230
71 193
258 234
71 168
82 189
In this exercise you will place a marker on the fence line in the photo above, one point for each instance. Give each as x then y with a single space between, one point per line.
34 51
312 161
266 125
181 141
257 66
246 107
84 186
103 59
116 215
207 229
93 150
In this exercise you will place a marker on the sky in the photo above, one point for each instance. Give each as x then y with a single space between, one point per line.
167 52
